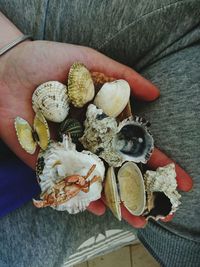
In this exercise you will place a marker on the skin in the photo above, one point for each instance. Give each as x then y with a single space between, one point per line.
31 63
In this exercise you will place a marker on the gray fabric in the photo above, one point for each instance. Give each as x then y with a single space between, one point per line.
159 38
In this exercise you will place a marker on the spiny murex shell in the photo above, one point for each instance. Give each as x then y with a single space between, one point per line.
164 180
61 160
52 100
113 97
128 141
80 85
131 190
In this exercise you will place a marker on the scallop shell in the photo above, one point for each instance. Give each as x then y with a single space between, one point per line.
132 190
133 141
111 193
80 85
61 160
113 97
28 137
72 127
162 180
52 100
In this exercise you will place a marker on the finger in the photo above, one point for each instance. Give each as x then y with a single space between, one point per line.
168 218
97 207
95 61
159 159
135 221
141 88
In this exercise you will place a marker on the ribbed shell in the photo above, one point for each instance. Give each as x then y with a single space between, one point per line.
52 100
72 127
80 85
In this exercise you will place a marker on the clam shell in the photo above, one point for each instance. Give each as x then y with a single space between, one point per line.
52 100
111 193
113 97
72 127
61 160
28 137
80 85
131 188
133 141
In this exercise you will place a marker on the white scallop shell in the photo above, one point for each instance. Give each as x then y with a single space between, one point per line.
113 97
52 100
164 180
61 160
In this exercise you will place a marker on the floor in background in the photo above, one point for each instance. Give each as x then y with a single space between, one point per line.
130 256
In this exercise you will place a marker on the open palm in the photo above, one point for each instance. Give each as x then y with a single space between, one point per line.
31 63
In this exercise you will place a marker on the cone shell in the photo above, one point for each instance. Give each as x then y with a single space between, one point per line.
113 97
131 187
52 100
80 85
111 193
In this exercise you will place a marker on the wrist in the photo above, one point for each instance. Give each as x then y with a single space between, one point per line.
8 31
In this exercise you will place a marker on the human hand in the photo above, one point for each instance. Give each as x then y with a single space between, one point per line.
29 64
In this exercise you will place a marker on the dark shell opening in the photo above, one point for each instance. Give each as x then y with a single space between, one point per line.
132 140
162 205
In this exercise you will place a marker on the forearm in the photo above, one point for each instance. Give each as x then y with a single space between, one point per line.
8 31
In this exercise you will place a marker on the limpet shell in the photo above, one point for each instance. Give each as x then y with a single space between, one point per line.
113 97
71 127
52 100
28 137
133 141
80 85
130 190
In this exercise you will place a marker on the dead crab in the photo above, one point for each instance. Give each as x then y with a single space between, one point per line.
66 189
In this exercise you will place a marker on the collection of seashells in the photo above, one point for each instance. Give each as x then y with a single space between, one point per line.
100 146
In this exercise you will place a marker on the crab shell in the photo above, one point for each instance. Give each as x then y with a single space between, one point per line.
61 160
52 100
131 190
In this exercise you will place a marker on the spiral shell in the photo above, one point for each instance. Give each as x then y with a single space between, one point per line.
52 100
80 85
71 127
